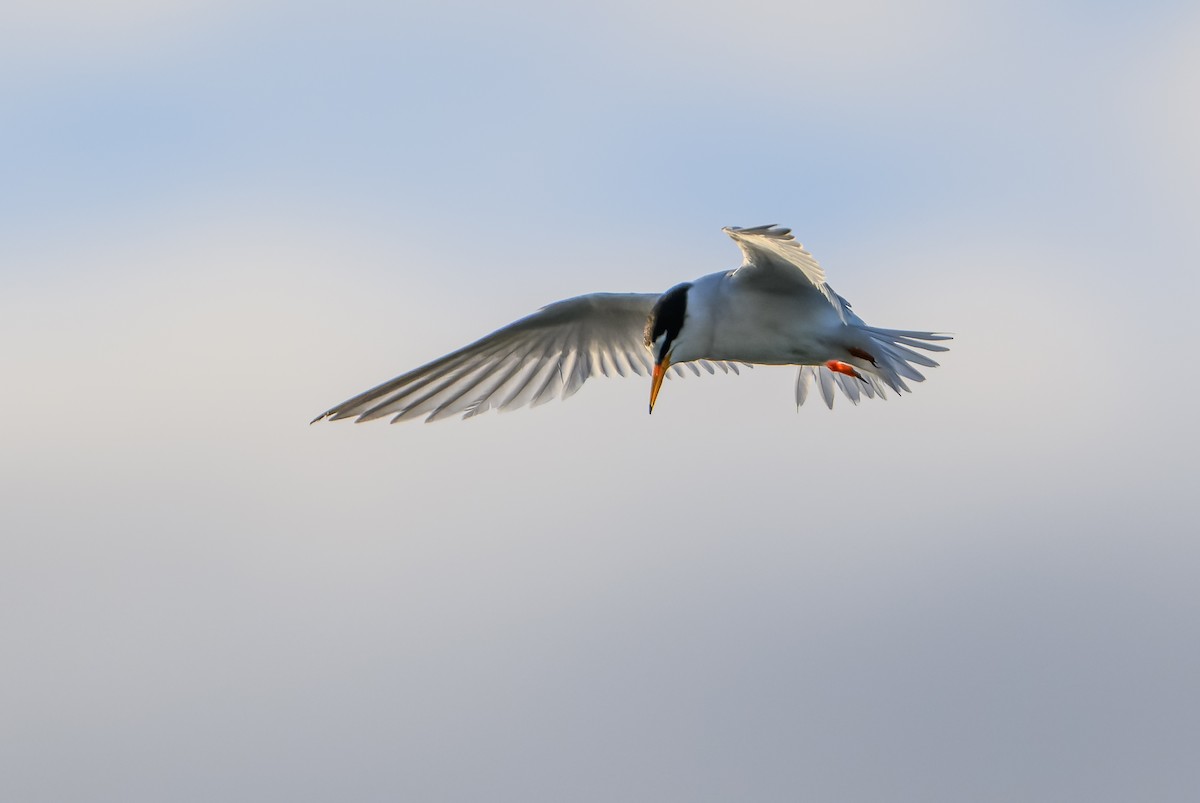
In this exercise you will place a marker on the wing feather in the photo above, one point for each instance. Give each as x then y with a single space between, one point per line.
549 354
772 251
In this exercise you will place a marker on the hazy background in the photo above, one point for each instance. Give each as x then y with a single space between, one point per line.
218 219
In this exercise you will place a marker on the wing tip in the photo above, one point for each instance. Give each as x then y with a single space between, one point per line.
770 230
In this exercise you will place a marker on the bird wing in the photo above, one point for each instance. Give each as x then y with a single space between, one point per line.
771 253
542 356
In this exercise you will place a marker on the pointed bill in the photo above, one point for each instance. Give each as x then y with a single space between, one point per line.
660 370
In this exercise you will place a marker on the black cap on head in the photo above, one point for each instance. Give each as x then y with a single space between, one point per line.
667 318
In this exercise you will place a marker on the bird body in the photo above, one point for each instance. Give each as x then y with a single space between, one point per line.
776 308
735 318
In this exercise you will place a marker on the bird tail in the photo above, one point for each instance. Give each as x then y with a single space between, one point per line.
885 359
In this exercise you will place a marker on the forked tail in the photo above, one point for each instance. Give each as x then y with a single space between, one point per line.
886 360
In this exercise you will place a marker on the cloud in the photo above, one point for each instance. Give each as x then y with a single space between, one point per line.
757 42
1159 93
58 32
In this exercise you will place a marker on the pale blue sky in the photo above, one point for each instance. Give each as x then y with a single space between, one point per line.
219 219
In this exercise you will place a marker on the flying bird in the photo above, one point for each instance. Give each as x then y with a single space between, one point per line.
776 308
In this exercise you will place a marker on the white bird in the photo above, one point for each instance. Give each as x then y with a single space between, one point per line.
774 309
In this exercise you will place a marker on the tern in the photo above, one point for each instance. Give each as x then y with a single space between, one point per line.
776 308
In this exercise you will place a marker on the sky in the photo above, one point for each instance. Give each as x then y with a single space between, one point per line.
220 219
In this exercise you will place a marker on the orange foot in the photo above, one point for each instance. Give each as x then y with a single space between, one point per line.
844 368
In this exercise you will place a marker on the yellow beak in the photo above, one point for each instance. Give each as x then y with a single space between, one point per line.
660 370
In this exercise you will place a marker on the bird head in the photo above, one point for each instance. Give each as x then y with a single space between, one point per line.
662 332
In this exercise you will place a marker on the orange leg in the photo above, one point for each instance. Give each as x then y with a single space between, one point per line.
844 368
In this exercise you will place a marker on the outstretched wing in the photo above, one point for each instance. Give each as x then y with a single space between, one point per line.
545 355
771 253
